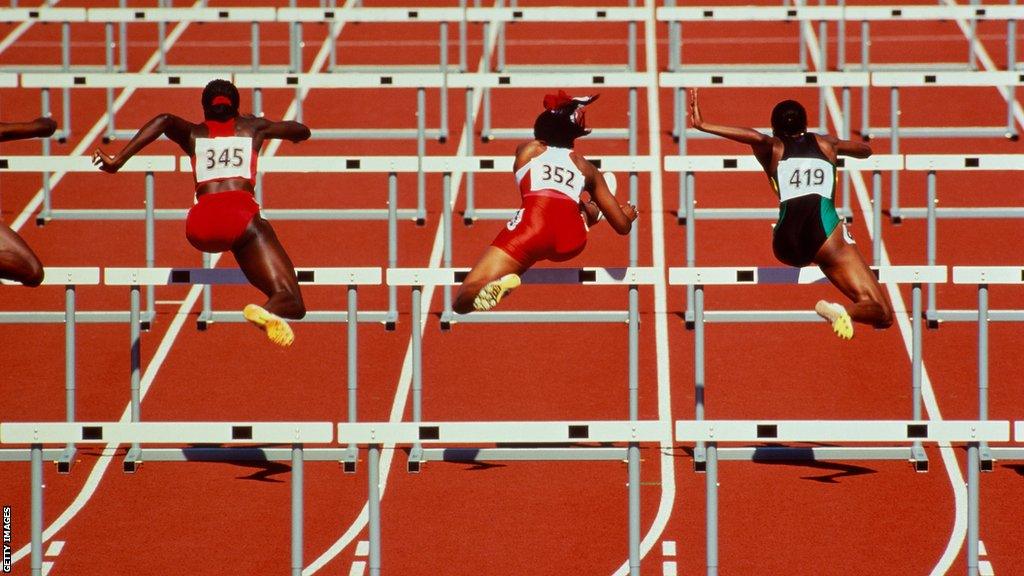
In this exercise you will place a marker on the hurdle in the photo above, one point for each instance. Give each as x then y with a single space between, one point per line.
417 278
296 434
944 431
688 214
982 277
376 434
698 278
136 277
932 212
70 278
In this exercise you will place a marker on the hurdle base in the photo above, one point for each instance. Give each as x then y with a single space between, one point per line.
348 462
972 315
546 452
132 460
67 457
415 459
817 453
918 457
931 320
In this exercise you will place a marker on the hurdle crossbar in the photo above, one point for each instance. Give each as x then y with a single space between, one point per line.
593 276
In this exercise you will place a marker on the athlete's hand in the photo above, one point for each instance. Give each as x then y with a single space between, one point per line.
105 162
47 124
695 118
630 211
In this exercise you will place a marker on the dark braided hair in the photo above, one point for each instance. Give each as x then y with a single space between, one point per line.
220 111
789 119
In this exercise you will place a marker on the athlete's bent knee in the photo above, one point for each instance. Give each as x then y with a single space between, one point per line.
35 275
886 318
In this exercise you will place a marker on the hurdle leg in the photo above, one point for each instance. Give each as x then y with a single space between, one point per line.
894 202
633 463
122 32
37 509
373 504
846 212
984 454
134 456
469 216
446 255
352 327
150 249
876 217
392 316
68 456
699 457
711 512
865 58
44 214
297 510
463 28
206 314
65 44
421 150
442 135
416 454
917 453
972 509
931 314
690 189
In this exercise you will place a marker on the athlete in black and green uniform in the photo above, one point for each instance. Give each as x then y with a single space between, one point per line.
802 170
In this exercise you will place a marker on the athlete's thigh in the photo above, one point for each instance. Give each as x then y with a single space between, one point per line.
263 260
844 266
14 248
493 264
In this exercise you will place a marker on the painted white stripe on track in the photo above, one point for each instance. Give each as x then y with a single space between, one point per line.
949 460
92 482
20 29
358 569
55 548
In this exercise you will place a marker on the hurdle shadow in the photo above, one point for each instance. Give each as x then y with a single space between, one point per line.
471 455
801 456
249 457
1018 468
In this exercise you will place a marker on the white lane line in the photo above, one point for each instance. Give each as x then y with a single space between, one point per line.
363 548
11 38
55 548
669 569
981 548
666 457
949 460
985 568
358 569
668 548
405 377
46 567
108 453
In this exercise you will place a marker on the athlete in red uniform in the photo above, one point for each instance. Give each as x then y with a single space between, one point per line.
224 149
17 261
553 221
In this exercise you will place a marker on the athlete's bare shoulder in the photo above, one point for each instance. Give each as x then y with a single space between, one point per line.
527 151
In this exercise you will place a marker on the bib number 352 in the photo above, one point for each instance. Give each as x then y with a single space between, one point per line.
558 174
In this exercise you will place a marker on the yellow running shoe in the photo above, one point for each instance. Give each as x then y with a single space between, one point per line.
493 292
277 329
842 325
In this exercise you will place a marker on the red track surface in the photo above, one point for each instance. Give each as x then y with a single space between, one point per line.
515 517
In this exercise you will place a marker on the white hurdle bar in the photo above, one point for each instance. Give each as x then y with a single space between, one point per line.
1011 163
295 434
350 277
982 277
70 278
942 431
689 166
376 434
698 278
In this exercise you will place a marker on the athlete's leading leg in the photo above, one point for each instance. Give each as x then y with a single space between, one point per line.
267 266
846 268
494 267
17 261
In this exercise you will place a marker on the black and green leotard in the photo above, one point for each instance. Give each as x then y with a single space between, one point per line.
806 182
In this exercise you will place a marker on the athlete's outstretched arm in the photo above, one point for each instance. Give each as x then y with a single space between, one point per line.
849 147
38 128
283 130
175 128
742 135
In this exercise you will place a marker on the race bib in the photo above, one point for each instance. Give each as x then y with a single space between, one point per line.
226 157
805 176
548 173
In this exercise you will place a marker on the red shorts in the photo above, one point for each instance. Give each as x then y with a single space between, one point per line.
219 219
544 229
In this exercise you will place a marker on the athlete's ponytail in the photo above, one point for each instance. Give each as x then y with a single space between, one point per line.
220 100
789 119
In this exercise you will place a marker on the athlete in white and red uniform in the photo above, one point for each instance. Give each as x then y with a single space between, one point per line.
225 216
554 219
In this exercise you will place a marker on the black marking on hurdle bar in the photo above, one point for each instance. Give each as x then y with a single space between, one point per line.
173 80
1022 274
33 14
504 80
1020 78
709 13
140 15
352 164
579 431
588 275
979 12
292 81
487 164
414 14
917 430
4 164
79 81
181 277
841 162
730 163
791 13
811 79
92 432
306 275
387 80
744 275
897 12
597 79
460 276
241 432
430 432
329 14
717 80
877 273
517 14
602 13
596 162
223 14
972 162
767 430
930 79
